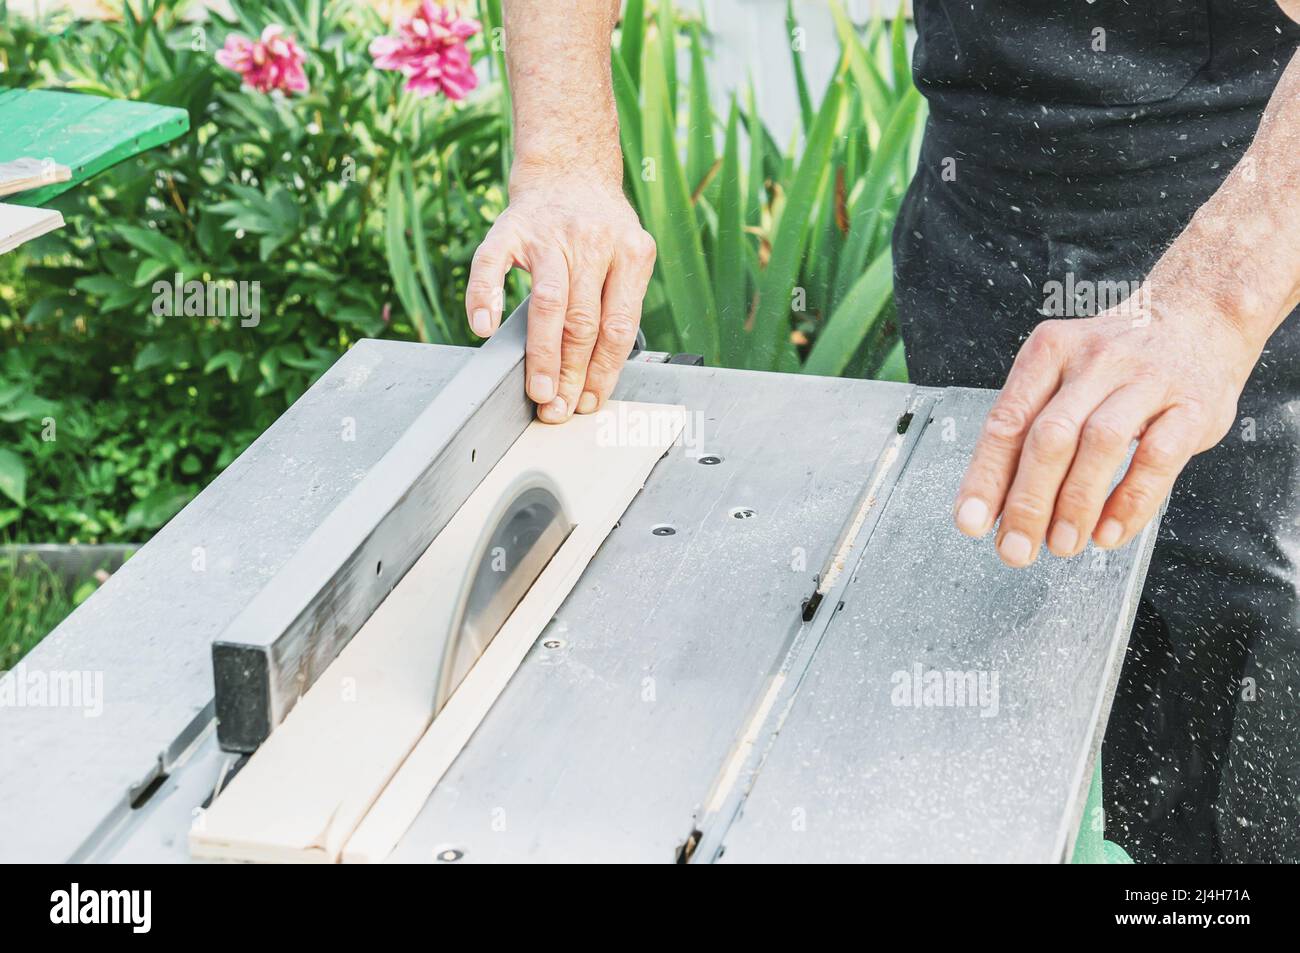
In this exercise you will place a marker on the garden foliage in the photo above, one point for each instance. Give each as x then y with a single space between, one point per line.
355 206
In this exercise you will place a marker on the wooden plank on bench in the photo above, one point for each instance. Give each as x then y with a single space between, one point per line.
27 173
20 224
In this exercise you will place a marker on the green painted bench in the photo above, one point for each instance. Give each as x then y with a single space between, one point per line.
85 133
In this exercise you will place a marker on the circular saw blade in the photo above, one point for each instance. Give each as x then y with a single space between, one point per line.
518 543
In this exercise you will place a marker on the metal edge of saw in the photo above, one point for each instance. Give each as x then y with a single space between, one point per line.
525 531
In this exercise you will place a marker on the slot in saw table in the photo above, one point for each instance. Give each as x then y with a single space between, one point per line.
741 673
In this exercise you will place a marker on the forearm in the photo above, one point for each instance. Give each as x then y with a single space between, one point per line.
1242 248
565 119
568 222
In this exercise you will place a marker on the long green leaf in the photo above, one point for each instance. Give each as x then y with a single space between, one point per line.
823 236
672 220
772 317
629 125
494 32
876 95
13 477
864 215
879 58
853 146
825 240
729 276
700 153
796 56
296 20
422 262
898 33
757 177
633 41
667 47
250 26
399 258
850 323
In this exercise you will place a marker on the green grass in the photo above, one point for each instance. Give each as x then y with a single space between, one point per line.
33 600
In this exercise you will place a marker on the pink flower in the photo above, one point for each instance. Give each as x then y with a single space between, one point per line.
430 51
273 62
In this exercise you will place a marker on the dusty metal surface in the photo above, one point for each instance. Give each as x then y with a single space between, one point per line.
997 769
611 739
735 778
146 636
608 738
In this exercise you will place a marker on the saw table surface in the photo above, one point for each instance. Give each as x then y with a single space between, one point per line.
645 719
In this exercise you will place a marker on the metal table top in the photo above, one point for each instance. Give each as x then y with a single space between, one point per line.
650 705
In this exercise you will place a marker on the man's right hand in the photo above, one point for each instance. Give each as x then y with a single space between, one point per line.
590 262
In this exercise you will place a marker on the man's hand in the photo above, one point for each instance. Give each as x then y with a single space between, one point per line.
1167 372
1080 392
568 223
590 261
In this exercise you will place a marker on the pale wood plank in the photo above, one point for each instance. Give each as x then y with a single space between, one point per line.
26 173
20 224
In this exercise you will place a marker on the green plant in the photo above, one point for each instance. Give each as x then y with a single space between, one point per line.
353 211
775 260
24 45
33 600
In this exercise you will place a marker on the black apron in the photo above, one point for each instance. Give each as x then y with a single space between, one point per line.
1057 153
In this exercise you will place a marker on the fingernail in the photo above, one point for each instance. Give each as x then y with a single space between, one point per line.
1063 538
587 402
541 389
1109 532
481 322
973 516
1016 549
556 410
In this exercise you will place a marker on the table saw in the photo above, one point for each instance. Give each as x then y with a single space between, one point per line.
766 660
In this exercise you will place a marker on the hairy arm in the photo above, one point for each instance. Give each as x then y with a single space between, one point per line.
568 223
558 55
1081 391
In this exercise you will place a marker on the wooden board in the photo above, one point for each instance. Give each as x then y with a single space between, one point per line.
20 224
304 792
85 133
27 173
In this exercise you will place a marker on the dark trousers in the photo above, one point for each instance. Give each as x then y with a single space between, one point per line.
1201 760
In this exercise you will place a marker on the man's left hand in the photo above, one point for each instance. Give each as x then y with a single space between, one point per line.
1078 395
